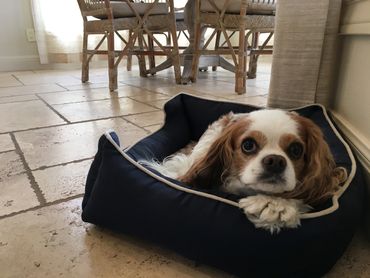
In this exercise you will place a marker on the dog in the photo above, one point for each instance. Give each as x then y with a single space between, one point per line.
277 160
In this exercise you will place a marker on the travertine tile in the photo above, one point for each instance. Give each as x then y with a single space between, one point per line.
159 103
17 98
63 181
174 89
26 115
63 144
94 94
78 96
11 165
7 73
16 193
146 119
83 111
148 98
8 81
153 128
219 88
88 86
54 242
45 77
150 83
6 143
32 89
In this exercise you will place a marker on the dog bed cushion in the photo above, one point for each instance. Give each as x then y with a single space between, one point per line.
207 226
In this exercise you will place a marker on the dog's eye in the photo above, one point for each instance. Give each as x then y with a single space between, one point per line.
249 146
295 150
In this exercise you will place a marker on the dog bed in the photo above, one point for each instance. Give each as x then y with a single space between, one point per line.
206 226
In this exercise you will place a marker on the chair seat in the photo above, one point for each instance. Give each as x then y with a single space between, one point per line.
122 10
266 7
179 16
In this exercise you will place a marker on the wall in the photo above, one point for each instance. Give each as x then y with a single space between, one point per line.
16 53
351 107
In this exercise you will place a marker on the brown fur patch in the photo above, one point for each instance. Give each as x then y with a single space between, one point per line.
285 141
211 169
318 179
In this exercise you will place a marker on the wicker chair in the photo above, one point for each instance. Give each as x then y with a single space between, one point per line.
108 17
256 16
181 29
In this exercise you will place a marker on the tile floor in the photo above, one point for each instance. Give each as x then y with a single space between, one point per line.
49 127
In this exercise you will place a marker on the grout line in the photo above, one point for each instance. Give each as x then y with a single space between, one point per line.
32 128
31 94
63 164
54 110
65 88
146 89
148 104
31 178
46 204
91 100
122 117
15 77
77 122
150 131
8 151
18 101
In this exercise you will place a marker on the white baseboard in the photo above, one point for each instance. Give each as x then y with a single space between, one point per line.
360 146
359 143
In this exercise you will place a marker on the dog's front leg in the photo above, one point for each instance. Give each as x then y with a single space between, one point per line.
272 213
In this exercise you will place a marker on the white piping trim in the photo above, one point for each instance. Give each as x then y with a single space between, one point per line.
327 211
171 184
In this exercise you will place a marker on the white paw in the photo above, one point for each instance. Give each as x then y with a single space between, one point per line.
272 213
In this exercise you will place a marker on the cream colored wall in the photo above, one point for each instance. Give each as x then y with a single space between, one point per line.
351 107
16 52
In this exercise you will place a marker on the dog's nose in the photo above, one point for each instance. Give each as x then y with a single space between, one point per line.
274 164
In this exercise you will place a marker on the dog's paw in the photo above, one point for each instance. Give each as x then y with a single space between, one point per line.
272 213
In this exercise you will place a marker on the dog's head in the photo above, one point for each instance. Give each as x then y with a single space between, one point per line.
269 151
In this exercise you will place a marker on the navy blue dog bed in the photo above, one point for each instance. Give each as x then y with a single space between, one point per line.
208 227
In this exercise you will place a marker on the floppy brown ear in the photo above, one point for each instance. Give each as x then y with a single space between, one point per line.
320 177
208 170
213 167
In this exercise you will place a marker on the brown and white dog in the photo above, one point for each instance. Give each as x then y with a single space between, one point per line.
278 159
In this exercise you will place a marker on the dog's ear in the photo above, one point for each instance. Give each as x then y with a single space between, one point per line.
208 170
213 167
320 177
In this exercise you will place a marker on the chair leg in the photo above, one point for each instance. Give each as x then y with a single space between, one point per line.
252 68
196 51
168 39
141 58
129 56
240 76
217 45
129 62
112 69
175 54
85 63
151 56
